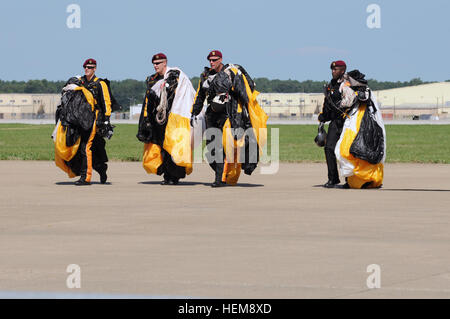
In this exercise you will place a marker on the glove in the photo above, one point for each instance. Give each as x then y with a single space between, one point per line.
106 129
146 123
193 118
321 118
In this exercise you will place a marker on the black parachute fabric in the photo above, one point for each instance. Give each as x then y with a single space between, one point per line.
75 111
149 130
358 76
369 142
220 84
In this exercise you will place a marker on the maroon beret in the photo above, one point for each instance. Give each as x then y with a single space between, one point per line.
159 56
338 63
213 53
89 61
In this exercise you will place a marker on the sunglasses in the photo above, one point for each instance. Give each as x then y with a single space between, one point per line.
214 60
90 67
157 63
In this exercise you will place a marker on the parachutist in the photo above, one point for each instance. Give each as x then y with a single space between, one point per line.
82 123
356 136
229 92
333 112
164 122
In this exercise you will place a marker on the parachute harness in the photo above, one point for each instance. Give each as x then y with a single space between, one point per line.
161 110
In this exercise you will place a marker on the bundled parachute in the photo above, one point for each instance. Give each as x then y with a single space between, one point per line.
164 126
245 130
75 113
78 114
361 149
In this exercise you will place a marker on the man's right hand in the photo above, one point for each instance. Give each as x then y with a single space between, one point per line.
146 123
193 118
321 118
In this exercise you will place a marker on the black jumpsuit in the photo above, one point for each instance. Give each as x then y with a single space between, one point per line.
92 146
336 117
216 115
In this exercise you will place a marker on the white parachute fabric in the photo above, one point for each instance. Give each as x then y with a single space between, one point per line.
348 165
184 95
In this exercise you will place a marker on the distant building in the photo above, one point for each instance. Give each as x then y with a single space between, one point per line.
291 105
135 111
28 106
426 101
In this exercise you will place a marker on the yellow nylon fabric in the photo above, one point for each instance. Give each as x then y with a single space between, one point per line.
231 172
152 158
177 141
258 117
63 152
364 171
62 165
232 169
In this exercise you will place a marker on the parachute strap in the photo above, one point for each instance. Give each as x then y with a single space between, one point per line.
161 109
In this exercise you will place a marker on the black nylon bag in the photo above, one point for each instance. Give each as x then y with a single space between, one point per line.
369 142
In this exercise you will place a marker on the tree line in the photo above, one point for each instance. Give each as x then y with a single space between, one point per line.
130 92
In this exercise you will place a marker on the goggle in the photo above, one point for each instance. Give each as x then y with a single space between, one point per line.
157 63
89 67
214 60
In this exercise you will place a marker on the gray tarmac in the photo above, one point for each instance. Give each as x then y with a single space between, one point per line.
271 236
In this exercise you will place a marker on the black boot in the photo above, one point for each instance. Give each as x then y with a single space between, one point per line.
218 180
103 177
82 182
218 184
346 185
331 184
102 173
169 180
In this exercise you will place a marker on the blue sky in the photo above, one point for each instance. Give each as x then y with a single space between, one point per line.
274 39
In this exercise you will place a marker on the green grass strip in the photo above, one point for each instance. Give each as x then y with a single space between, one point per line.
405 143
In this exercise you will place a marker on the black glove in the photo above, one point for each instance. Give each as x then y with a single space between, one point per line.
103 121
105 129
321 118
146 125
193 118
